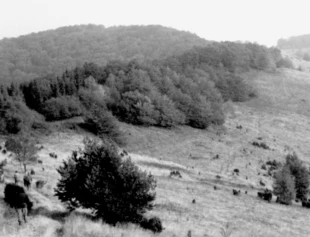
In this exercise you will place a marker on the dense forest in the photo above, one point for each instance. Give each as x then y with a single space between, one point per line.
294 42
187 88
54 51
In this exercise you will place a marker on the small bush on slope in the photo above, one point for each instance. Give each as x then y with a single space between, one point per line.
114 189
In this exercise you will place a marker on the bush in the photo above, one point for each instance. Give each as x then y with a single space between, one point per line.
154 224
97 178
284 186
61 108
285 62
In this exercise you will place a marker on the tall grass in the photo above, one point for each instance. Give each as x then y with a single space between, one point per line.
79 226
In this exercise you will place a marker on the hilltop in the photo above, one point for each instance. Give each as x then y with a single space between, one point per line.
54 51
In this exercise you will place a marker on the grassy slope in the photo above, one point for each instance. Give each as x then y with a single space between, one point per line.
279 115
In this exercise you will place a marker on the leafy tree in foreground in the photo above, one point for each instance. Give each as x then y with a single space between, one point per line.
115 189
24 148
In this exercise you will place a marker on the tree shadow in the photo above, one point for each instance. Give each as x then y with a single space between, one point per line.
57 215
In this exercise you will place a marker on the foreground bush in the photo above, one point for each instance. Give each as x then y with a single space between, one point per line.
97 178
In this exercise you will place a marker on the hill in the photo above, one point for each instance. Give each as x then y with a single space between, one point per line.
54 51
297 48
279 116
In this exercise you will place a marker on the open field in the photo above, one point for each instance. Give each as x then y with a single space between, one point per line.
279 117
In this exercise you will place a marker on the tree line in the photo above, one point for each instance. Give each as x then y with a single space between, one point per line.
186 89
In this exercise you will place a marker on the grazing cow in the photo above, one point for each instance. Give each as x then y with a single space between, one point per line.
236 193
305 203
215 188
2 178
27 181
40 161
266 195
175 173
32 172
53 155
218 177
16 197
16 178
40 184
236 171
194 201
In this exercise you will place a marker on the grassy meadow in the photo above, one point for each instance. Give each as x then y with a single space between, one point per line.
279 116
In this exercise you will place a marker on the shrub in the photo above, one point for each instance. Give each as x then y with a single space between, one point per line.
97 178
306 57
154 224
285 62
61 108
284 186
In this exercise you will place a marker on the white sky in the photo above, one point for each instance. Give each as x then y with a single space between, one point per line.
262 21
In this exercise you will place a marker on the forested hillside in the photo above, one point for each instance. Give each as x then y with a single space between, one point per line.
188 88
54 51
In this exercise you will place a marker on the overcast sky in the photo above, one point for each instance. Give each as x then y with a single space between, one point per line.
262 21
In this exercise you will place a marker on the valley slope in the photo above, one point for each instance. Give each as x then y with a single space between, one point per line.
279 116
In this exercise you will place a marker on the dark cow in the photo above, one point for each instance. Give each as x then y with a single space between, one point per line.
306 203
175 173
40 161
27 181
53 155
266 195
15 196
236 171
236 192
40 184
32 172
